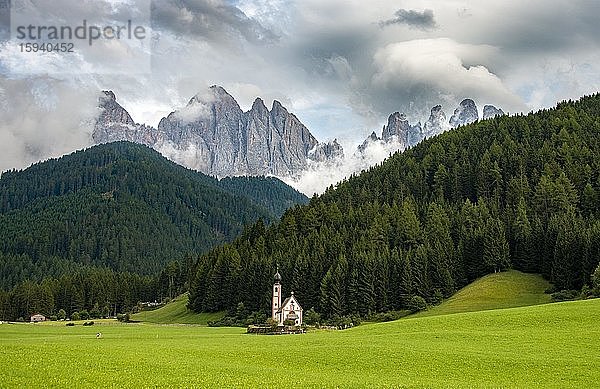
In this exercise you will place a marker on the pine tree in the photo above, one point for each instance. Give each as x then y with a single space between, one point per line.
495 246
522 253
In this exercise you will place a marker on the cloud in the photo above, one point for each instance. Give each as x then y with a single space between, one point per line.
211 20
43 118
414 19
199 107
320 175
421 73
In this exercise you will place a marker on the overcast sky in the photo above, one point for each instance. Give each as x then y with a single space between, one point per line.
342 66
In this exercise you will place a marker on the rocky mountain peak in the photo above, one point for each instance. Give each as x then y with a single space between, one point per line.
259 105
397 125
112 112
324 152
370 139
436 123
213 135
218 90
278 109
465 113
489 111
109 95
114 123
406 135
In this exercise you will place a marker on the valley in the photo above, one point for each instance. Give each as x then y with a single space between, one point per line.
551 345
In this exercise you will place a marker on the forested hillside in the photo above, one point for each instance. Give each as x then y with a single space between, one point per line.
511 192
126 210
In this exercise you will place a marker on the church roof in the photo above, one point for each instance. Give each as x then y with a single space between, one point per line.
287 300
277 276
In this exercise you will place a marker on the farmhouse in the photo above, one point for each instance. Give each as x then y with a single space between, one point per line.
290 310
37 318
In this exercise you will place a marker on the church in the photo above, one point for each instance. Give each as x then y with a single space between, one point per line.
289 310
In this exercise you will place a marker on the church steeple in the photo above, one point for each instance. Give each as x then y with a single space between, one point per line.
277 276
276 302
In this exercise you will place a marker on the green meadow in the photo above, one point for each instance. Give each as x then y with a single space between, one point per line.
509 289
176 312
551 345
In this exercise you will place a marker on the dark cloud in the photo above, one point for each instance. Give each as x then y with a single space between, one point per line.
214 21
414 19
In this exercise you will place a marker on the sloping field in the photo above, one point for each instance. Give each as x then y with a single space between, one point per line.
176 312
508 289
551 345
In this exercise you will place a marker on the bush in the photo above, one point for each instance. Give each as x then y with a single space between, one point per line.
312 318
416 304
437 297
343 322
53 318
75 316
84 315
255 318
123 317
596 281
95 312
565 295
272 323
586 292
62 315
388 316
551 289
289 323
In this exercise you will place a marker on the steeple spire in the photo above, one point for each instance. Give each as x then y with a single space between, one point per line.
277 276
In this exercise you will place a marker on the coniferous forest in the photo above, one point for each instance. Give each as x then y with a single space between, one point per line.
511 192
116 224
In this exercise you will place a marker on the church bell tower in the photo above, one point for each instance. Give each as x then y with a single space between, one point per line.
276 304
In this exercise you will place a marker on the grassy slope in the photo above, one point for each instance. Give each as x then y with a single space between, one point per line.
551 345
495 291
176 312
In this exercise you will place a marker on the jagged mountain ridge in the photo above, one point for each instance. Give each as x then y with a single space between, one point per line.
213 135
219 138
399 131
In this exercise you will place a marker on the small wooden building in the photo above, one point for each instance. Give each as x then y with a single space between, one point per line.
37 318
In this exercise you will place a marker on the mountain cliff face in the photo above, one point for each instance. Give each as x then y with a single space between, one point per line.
398 129
324 152
115 124
405 135
218 138
436 124
465 113
489 111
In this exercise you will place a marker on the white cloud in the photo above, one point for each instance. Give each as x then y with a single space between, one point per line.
43 118
319 176
198 108
437 70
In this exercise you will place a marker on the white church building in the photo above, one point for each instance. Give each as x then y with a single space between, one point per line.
289 310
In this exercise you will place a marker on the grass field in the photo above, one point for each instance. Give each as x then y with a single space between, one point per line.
176 312
508 289
551 345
